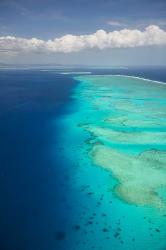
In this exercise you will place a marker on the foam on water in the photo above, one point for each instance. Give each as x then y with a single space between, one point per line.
141 78
134 77
76 73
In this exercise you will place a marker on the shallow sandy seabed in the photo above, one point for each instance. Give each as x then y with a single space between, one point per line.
128 137
114 108
133 122
138 177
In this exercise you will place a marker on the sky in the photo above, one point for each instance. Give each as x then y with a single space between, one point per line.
83 32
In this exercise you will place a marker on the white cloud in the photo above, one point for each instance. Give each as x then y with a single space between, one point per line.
101 39
116 23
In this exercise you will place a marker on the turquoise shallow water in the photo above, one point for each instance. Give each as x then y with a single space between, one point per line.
116 140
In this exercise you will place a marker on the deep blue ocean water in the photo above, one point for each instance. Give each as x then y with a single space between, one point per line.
35 188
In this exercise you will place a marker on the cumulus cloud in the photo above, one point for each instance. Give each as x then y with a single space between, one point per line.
125 38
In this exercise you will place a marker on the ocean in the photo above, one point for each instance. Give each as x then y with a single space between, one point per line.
62 132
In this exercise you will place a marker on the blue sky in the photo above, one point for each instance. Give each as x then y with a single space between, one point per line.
51 19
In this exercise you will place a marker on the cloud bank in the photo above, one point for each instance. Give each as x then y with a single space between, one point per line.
125 38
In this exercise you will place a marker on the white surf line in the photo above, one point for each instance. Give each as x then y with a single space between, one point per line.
136 77
141 78
80 73
48 69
